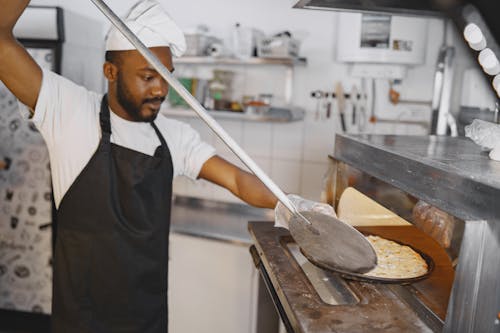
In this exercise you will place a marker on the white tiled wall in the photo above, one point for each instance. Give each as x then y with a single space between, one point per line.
258 139
279 149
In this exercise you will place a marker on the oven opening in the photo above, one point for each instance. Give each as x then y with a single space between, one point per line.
331 288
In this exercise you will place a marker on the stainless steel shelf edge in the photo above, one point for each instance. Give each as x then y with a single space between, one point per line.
406 8
449 173
274 115
242 62
220 221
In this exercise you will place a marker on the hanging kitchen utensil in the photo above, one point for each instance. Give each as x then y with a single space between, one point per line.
354 102
317 94
314 233
373 117
328 109
362 106
339 94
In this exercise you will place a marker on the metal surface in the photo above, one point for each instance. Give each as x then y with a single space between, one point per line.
331 288
475 301
274 114
235 61
363 307
411 296
220 221
347 248
401 7
452 174
334 290
443 85
268 283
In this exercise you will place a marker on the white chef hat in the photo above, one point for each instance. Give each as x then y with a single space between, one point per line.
152 25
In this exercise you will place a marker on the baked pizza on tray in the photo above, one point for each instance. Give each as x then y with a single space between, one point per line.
395 261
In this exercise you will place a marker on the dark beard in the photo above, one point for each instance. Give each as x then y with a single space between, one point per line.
132 108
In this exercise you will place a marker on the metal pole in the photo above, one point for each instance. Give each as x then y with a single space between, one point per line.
197 107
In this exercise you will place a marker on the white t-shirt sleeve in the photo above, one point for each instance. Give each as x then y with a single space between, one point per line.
188 151
58 100
66 115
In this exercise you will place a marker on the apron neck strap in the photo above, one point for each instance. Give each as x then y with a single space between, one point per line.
162 140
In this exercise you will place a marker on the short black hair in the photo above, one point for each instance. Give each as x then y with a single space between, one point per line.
113 57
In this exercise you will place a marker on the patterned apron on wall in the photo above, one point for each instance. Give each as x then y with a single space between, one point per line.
110 271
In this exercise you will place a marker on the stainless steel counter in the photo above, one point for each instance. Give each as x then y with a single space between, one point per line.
452 174
215 220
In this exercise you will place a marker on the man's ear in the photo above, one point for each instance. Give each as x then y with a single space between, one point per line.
110 71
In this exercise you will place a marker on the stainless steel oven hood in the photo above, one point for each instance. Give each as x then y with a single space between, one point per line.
481 12
401 7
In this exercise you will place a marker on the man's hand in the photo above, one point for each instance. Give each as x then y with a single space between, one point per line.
282 215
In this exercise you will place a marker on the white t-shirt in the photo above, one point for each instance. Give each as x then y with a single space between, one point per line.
67 116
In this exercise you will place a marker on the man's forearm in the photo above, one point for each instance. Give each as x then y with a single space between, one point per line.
254 192
10 13
243 184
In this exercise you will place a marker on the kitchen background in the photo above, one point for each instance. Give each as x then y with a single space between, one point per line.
294 154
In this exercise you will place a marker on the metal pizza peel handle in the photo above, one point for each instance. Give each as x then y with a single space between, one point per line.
311 231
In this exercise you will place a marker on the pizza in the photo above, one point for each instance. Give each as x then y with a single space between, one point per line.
395 261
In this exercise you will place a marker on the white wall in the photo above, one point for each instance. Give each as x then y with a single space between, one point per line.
294 154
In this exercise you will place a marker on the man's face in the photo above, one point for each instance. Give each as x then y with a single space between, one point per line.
140 90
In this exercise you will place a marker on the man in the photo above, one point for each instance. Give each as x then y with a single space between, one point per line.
113 158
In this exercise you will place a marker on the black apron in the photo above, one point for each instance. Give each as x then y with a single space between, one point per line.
111 257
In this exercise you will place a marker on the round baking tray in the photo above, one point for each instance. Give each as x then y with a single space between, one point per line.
365 278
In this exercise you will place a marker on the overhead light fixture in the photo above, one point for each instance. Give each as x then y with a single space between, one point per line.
489 62
474 36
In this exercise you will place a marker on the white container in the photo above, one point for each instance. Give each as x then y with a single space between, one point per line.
196 44
243 42
278 47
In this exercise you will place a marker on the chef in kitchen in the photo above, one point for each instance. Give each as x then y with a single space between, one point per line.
113 158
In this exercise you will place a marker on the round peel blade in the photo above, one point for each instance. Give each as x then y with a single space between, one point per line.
335 245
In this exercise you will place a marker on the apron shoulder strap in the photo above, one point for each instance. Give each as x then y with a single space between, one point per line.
163 149
104 119
158 133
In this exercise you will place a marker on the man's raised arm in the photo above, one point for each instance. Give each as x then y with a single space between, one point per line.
18 71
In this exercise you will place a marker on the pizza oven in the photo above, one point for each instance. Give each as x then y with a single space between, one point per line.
433 194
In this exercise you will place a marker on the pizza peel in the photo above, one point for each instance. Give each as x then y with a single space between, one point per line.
321 236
